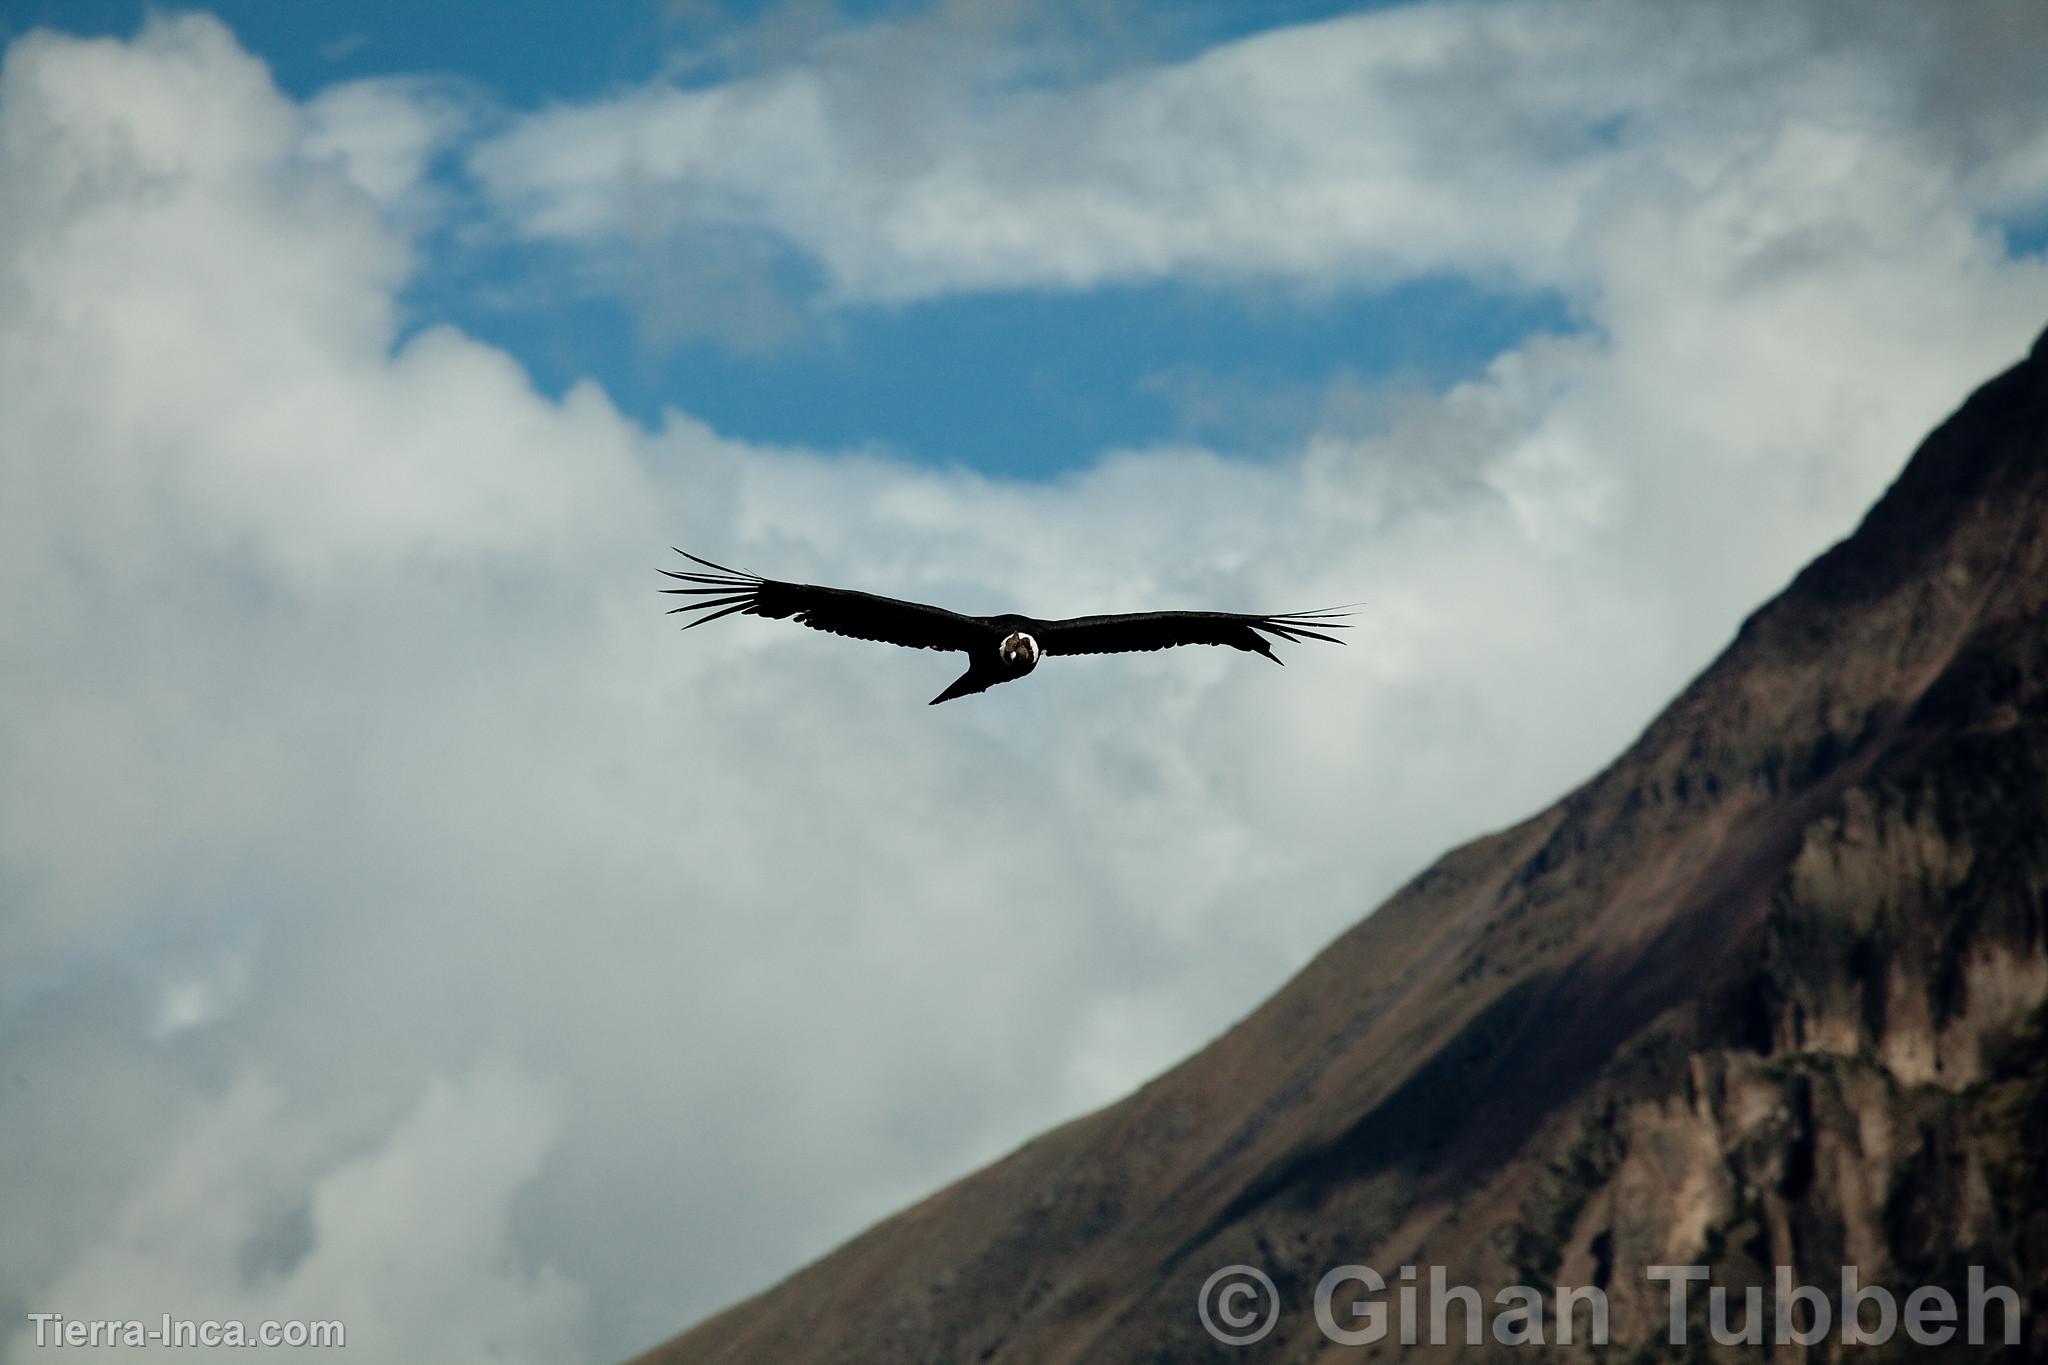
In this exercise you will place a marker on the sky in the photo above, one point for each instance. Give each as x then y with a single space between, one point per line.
401 923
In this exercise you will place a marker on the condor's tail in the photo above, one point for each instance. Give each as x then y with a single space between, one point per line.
977 678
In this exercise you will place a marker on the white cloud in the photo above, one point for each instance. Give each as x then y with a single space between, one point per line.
252 1215
386 131
1364 149
345 747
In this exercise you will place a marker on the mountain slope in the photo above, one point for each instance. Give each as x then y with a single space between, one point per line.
1768 990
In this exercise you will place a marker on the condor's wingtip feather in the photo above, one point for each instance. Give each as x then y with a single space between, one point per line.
726 591
738 600
1292 627
1293 633
736 573
713 616
1330 616
729 580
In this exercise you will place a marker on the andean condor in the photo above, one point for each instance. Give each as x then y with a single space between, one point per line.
999 649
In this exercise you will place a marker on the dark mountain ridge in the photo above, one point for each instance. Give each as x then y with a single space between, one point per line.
1768 990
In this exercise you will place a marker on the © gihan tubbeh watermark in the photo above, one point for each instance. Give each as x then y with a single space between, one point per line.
1240 1305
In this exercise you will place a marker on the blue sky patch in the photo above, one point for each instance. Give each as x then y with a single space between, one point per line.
1032 383
731 327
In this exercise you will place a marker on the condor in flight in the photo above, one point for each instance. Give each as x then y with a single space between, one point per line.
999 649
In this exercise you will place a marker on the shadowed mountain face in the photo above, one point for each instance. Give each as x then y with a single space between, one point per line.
1767 991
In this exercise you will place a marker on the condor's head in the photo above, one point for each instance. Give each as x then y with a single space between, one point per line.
1018 651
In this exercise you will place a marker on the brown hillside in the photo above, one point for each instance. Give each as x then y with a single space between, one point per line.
1768 990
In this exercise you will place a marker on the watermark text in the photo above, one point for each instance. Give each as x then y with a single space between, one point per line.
1354 1305
57 1330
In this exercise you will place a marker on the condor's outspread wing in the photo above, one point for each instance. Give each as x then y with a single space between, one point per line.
863 616
1164 629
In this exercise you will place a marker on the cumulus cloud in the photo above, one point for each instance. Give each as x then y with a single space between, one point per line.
404 927
386 131
1363 149
251 1214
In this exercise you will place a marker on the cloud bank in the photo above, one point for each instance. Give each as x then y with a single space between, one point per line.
402 925
1492 139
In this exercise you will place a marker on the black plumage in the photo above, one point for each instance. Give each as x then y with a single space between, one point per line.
999 648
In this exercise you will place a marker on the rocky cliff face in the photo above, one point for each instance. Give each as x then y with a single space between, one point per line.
1769 991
